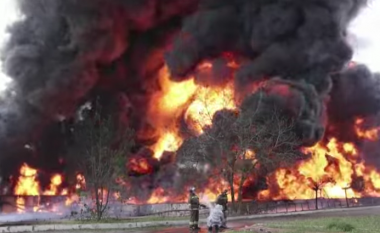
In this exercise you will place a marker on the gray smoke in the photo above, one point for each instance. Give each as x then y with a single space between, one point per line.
17 218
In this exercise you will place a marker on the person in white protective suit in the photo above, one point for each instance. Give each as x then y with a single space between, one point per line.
216 219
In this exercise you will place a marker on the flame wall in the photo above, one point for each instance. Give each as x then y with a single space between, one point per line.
160 66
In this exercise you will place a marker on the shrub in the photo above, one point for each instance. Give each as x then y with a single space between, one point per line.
345 227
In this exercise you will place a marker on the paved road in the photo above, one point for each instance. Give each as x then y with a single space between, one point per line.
241 224
365 211
235 225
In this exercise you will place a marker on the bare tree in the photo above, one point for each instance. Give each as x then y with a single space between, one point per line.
243 140
253 143
318 185
267 143
101 152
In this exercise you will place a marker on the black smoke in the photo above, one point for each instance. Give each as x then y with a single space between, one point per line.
303 45
356 94
62 54
299 41
65 53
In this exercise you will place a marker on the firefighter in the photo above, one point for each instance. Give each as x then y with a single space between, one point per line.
223 201
194 209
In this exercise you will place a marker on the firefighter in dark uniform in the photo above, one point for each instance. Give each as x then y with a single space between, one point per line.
223 201
194 205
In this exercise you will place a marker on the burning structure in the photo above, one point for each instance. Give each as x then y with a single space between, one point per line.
168 69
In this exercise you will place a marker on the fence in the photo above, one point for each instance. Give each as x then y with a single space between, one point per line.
270 207
119 210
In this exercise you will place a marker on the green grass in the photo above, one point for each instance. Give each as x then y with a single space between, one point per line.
341 226
367 224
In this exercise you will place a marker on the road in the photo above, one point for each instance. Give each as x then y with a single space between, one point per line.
234 225
365 211
241 224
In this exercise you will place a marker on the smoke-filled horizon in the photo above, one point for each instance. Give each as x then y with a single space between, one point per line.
65 53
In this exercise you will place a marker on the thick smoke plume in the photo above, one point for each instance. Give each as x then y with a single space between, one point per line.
299 41
356 94
65 53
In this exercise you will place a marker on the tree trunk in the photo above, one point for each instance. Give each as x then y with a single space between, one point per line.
231 183
345 192
316 199
98 205
106 204
240 193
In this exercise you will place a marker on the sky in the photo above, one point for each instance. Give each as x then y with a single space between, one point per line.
8 15
365 35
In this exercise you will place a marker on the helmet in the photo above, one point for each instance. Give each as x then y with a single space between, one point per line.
225 191
192 189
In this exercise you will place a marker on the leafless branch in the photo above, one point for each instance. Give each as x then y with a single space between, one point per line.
101 151
244 139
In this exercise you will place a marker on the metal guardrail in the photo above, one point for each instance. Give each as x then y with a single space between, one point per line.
271 207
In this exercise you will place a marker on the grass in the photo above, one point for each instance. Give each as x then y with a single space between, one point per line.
341 226
367 224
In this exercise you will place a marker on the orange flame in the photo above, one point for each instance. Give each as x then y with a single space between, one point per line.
27 183
331 167
371 134
140 165
20 203
158 196
199 104
81 182
206 102
169 141
55 182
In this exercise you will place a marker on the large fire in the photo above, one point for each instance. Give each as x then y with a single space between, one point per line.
28 185
331 167
330 170
197 102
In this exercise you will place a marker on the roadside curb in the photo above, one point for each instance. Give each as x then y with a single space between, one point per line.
136 225
300 213
96 226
